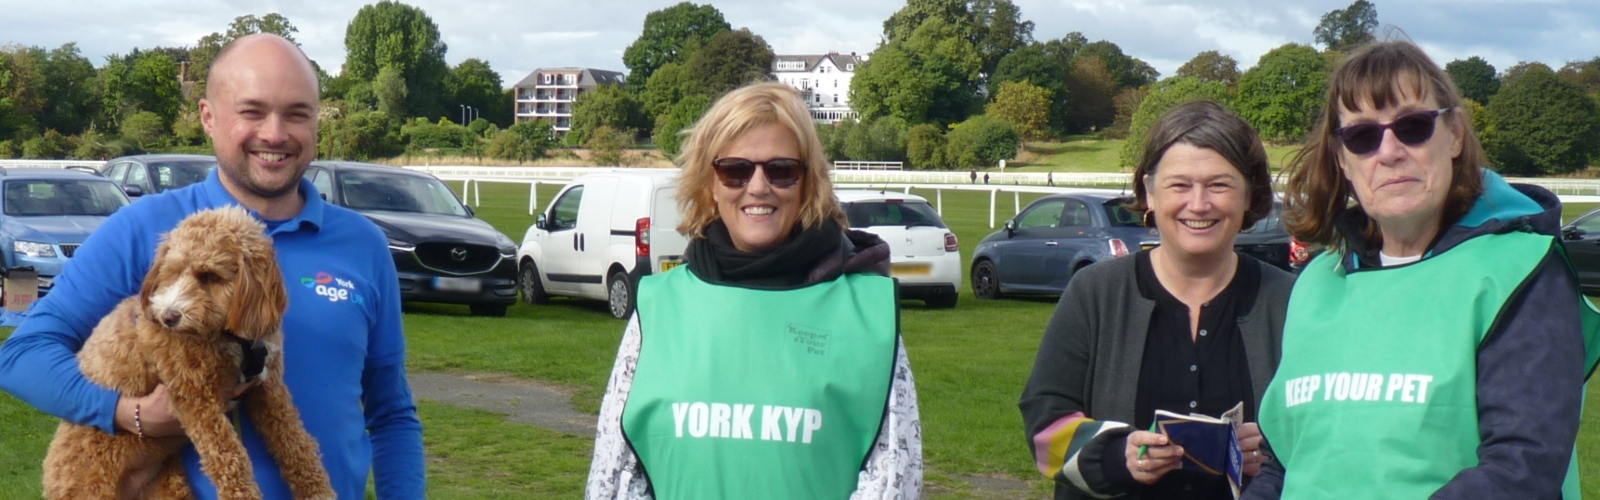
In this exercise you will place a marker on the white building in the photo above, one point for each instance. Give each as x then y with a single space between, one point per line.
547 93
824 82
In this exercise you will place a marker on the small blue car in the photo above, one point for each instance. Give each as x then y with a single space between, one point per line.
47 213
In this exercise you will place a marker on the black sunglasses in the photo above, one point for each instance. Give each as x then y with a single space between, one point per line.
1411 128
781 172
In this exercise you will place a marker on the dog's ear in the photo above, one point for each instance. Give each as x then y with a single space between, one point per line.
259 299
152 278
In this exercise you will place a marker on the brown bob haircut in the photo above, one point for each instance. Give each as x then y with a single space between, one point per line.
738 112
1208 125
1379 74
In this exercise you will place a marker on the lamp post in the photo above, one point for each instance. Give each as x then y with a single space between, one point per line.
463 114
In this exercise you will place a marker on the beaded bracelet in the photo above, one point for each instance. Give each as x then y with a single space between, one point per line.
138 427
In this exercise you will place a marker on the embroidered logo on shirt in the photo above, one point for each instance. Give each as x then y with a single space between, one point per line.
334 289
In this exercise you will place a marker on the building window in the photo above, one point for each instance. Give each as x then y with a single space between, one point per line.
804 83
836 98
850 67
547 79
835 83
819 98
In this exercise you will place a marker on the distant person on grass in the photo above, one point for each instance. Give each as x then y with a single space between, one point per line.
344 360
1437 349
1191 326
770 364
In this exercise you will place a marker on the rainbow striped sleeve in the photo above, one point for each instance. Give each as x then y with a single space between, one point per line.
1056 449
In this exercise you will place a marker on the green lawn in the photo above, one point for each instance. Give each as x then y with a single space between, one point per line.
1093 154
970 364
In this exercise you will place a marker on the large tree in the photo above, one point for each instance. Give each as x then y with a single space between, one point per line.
1282 94
932 76
1126 70
1163 96
71 82
730 60
605 106
473 83
148 83
1093 89
393 34
995 28
1543 124
1585 74
1025 106
671 35
1347 28
669 85
206 49
1475 78
1033 64
1212 66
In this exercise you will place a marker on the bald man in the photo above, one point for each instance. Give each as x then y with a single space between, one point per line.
344 356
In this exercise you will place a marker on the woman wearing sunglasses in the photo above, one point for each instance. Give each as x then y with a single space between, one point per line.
1438 348
770 365
1190 326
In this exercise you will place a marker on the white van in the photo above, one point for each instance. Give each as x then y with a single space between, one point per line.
601 234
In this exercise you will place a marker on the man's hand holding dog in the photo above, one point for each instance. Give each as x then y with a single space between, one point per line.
154 412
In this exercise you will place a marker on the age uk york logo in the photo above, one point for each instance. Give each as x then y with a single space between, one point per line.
334 289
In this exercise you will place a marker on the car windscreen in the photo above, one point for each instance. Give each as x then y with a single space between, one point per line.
398 193
1117 212
177 174
44 197
907 213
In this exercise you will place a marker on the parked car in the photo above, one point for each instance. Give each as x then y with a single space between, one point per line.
1268 242
1040 249
443 253
47 213
1581 237
925 257
140 175
601 234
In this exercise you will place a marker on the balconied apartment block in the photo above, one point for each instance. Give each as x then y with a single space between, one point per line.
548 93
824 82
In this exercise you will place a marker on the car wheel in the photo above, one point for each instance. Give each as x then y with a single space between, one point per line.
528 282
945 301
621 295
985 281
490 310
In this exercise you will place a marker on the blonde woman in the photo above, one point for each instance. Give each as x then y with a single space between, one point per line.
770 365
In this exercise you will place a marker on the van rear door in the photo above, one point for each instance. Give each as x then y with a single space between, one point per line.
666 243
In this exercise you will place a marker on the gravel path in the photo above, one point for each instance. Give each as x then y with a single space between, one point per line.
521 400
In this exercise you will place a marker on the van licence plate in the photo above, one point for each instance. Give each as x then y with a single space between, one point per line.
667 265
449 284
910 269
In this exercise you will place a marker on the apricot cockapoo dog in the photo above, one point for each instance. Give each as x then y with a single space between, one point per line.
207 319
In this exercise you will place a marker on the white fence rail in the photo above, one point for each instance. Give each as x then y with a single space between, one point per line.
868 165
49 163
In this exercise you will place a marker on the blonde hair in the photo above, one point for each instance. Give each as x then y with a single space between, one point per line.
732 115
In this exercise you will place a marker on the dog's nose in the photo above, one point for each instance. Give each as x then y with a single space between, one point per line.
170 318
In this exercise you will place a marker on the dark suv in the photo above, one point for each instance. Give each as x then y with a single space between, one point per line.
140 175
442 252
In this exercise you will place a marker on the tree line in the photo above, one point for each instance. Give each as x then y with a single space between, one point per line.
955 84
395 94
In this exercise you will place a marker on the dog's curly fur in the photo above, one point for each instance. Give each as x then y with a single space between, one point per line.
214 274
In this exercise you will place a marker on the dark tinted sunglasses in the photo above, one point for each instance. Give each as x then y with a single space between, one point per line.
1411 128
781 172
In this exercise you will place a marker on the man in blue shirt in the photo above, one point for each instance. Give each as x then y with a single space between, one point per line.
344 354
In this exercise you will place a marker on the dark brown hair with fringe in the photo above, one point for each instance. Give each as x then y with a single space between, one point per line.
1208 125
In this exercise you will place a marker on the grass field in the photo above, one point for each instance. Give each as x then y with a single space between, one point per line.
1093 154
970 364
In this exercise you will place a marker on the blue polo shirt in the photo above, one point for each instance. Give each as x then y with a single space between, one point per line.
344 353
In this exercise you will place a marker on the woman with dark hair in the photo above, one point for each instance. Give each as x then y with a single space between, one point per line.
1190 326
1438 348
770 364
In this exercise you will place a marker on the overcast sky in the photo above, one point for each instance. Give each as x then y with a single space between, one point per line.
516 37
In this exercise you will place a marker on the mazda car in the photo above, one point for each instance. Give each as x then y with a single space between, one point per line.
443 253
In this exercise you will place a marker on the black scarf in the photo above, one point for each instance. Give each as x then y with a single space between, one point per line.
715 260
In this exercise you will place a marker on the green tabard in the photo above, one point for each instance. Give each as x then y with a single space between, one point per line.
744 393
1376 395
